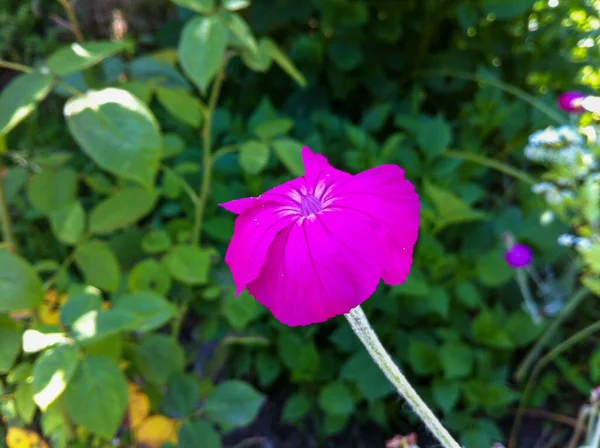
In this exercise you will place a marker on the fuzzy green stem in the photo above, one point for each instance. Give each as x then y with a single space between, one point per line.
207 150
361 327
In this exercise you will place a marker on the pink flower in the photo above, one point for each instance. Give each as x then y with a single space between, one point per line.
571 102
519 256
318 246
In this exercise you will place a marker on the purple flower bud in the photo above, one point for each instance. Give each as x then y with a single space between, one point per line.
519 256
571 102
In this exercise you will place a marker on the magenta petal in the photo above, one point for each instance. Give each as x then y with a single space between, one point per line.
320 267
319 172
384 195
254 231
239 206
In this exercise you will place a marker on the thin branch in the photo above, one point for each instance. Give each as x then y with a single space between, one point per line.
66 4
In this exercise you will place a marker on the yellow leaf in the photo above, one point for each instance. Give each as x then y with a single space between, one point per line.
50 308
22 438
155 431
139 405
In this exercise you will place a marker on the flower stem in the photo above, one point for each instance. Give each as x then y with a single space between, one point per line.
5 222
207 150
360 325
75 28
565 313
537 370
15 66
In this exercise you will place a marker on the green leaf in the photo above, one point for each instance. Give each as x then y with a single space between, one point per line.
254 156
242 310
506 9
158 73
157 357
521 329
68 222
77 306
289 153
488 395
156 241
188 264
151 311
150 275
76 57
345 55
467 294
233 403
110 346
202 48
450 208
118 132
488 331
99 265
202 6
296 407
96 397
143 90
457 359
268 368
335 399
24 402
434 136
273 128
96 325
423 357
369 379
181 396
10 342
20 286
19 98
198 433
305 363
183 106
21 372
51 190
260 60
285 63
492 269
52 372
121 210
235 5
240 29
446 393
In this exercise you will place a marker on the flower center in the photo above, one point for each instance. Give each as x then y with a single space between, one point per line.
310 205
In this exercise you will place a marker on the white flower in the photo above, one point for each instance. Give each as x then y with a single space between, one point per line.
569 135
536 153
566 240
584 243
548 136
543 187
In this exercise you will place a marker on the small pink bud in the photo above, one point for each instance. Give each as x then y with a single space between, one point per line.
595 395
571 102
519 256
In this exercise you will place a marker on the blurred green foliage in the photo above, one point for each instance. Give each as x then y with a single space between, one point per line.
114 209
